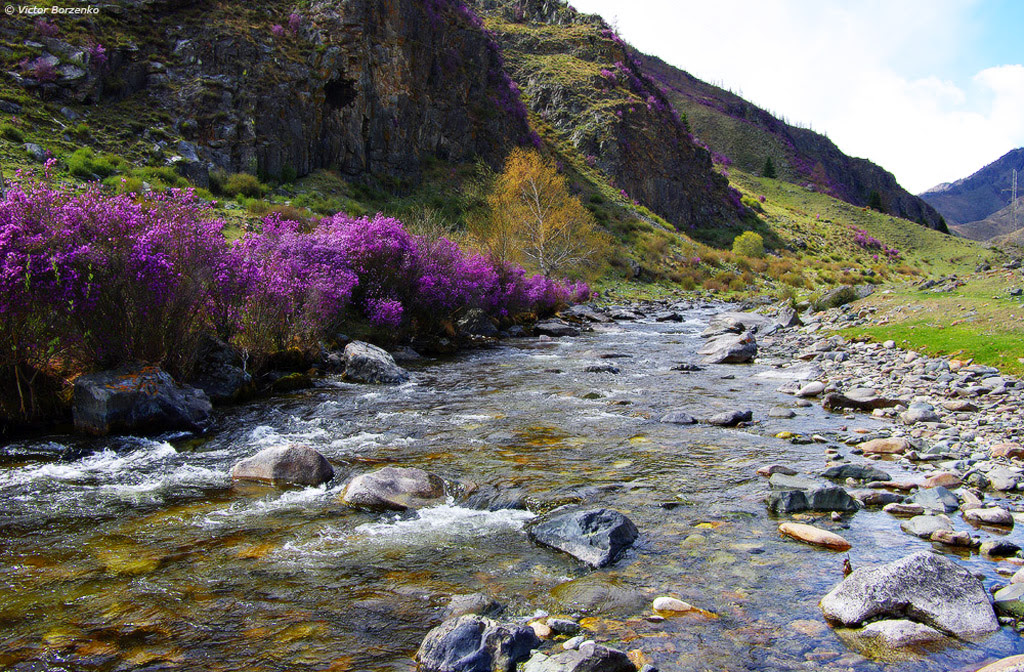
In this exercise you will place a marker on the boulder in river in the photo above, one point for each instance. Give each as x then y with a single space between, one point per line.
936 499
365 363
137 399
296 464
886 446
394 489
678 418
555 328
476 323
856 399
860 472
474 643
925 526
588 657
730 349
597 536
472 603
729 418
993 515
925 587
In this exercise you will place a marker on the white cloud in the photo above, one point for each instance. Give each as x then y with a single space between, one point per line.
883 79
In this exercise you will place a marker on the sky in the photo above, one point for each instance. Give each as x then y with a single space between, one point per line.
931 90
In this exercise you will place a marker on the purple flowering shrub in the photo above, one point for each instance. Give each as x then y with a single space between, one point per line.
865 241
92 280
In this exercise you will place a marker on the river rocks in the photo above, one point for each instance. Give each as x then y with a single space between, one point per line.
220 373
1010 600
1011 664
474 643
394 489
899 633
588 657
860 472
991 516
476 323
730 349
300 465
678 418
811 389
729 418
1003 479
814 535
555 328
900 509
932 589
671 605
920 412
472 603
365 363
137 399
999 548
793 494
936 499
581 312
602 368
953 538
924 526
1010 450
597 537
942 479
856 399
886 446
781 412
771 469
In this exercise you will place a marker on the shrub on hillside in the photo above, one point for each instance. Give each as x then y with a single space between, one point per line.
748 244
85 163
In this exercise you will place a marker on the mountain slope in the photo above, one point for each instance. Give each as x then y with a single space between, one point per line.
748 135
977 196
996 225
580 79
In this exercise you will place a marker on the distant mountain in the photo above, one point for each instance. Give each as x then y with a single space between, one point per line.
975 198
999 223
748 136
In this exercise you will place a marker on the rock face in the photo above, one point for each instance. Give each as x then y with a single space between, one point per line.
394 489
474 643
365 363
364 87
137 399
925 587
300 465
730 349
597 537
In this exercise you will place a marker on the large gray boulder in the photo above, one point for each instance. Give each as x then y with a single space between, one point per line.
476 323
296 464
589 657
474 643
937 499
597 537
394 489
137 399
730 349
793 494
923 587
365 363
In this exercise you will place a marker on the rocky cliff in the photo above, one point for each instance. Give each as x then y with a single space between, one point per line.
747 135
362 86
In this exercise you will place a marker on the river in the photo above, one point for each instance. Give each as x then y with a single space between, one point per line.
139 553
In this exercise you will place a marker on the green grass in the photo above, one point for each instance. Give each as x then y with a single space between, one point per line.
978 320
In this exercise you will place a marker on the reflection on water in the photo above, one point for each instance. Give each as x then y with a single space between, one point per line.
133 553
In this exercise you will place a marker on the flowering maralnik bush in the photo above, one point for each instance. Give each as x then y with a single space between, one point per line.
865 241
102 280
90 280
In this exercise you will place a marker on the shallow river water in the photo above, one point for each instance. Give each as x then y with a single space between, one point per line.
133 553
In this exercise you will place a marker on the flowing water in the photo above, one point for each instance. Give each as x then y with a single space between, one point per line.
133 553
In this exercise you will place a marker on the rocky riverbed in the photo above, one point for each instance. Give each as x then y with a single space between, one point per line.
657 485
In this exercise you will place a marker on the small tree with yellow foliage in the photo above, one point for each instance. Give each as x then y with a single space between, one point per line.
536 222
